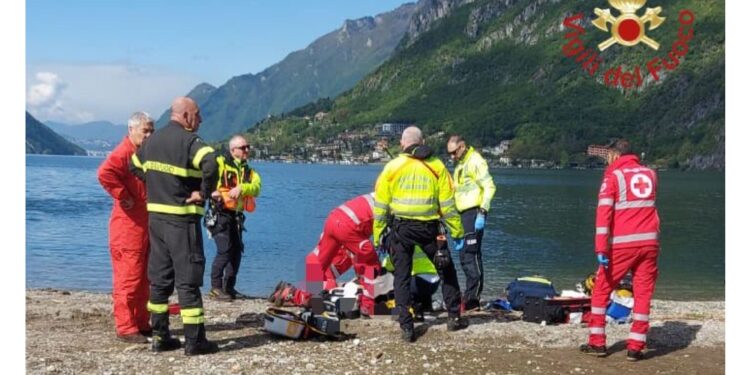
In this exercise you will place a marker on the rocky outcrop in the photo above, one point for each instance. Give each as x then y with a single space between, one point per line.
429 11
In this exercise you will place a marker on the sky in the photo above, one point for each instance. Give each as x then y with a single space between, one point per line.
104 59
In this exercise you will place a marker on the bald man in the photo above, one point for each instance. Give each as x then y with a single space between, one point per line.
180 172
412 194
240 184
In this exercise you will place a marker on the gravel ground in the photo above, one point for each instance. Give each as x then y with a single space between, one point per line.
72 332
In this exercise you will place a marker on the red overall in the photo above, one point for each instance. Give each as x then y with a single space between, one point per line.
345 241
128 241
627 232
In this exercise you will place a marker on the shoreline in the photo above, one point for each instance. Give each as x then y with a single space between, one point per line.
71 331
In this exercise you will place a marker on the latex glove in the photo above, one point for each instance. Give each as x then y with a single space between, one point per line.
479 223
458 244
603 260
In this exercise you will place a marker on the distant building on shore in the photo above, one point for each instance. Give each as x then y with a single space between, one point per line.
597 150
498 150
390 129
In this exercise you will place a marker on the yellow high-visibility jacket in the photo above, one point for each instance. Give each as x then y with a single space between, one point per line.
415 189
421 264
233 172
474 185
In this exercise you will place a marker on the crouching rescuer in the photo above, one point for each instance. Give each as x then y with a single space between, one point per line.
627 239
415 189
345 242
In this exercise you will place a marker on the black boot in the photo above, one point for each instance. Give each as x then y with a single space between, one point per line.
196 342
455 323
162 341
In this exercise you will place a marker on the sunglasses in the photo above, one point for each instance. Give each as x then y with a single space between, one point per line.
244 148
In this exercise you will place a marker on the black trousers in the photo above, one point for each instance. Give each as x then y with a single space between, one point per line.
176 259
406 234
229 247
471 258
421 293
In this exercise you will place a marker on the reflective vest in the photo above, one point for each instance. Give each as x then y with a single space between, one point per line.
420 265
359 211
175 162
235 172
474 185
626 214
415 189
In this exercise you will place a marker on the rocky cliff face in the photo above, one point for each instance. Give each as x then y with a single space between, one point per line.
494 69
427 12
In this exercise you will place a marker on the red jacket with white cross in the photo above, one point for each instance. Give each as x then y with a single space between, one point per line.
626 214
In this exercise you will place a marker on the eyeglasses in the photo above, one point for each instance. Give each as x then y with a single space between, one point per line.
244 148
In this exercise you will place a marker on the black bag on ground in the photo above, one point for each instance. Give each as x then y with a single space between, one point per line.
537 310
530 286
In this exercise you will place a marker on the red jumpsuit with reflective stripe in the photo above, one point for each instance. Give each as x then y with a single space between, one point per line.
627 232
345 241
128 240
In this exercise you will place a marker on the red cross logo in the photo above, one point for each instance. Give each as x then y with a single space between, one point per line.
641 185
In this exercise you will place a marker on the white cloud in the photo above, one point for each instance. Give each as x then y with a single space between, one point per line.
76 93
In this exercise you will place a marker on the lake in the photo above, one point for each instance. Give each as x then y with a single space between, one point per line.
541 222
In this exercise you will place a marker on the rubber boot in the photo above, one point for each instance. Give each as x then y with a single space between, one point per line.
162 341
196 342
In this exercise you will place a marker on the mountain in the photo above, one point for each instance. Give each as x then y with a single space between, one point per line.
199 94
94 136
328 66
40 139
495 70
103 130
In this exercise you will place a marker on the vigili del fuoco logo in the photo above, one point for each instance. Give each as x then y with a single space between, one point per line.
628 27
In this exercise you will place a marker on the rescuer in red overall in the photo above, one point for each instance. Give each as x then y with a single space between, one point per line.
627 239
345 241
128 234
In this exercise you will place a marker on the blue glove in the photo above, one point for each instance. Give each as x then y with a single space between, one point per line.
458 244
479 223
602 259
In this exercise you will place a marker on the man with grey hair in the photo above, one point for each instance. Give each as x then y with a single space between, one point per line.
128 233
235 192
412 194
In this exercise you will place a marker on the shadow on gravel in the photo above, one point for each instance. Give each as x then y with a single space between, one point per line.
665 339
243 342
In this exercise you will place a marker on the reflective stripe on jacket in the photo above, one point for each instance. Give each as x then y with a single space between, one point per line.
249 179
175 162
474 185
415 189
359 210
421 264
626 214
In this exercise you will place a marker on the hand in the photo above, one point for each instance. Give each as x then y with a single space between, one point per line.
195 197
479 223
603 260
216 195
127 203
235 192
458 244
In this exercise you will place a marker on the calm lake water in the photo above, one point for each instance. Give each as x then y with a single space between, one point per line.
542 222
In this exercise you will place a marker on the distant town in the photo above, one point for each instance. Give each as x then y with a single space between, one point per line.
378 143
